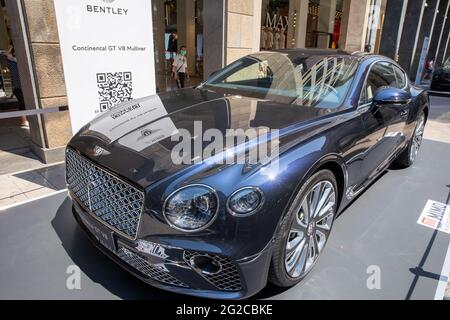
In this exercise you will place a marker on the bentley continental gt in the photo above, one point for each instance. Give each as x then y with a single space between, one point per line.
201 226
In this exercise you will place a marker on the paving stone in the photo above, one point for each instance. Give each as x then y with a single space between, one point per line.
29 181
12 200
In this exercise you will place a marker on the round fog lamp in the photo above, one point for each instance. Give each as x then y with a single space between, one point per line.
205 264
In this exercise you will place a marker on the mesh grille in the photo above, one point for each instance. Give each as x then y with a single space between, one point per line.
140 264
227 279
109 198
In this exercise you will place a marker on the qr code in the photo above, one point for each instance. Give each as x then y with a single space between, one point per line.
114 88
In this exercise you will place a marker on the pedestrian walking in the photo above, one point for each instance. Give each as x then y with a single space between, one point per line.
180 68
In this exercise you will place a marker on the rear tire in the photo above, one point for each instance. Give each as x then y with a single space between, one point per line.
304 230
409 155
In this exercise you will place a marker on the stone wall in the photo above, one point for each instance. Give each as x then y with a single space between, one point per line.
354 25
41 71
243 28
49 74
241 21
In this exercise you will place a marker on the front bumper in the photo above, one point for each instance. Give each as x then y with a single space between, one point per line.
168 267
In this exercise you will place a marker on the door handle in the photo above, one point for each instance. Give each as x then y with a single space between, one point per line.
404 113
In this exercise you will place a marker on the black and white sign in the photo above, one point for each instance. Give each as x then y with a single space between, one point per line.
436 216
107 52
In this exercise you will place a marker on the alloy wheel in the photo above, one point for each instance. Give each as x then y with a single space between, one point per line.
417 138
310 229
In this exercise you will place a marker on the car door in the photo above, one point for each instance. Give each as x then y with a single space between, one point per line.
384 124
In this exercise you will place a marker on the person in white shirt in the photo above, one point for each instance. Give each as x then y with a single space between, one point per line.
179 67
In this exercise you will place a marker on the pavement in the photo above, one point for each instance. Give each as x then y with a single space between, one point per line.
22 175
15 152
376 234
30 184
438 125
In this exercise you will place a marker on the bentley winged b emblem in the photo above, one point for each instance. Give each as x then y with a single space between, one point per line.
98 151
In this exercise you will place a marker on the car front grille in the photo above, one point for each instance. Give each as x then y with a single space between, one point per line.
150 271
112 200
228 279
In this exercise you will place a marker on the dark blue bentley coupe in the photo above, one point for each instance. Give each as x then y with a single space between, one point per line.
152 190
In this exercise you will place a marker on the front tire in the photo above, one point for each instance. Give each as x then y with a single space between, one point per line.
304 230
407 157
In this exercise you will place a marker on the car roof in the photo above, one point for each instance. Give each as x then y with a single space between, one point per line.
357 55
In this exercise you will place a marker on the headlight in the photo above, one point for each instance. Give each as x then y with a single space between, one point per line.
191 208
245 201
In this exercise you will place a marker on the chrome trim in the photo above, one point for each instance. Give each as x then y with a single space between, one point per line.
152 271
253 257
243 215
74 197
194 266
397 102
185 187
364 108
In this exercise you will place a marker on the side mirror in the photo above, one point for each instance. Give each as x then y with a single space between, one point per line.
388 95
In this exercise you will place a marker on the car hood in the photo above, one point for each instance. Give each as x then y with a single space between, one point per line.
134 139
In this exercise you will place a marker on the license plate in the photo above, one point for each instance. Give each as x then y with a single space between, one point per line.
102 234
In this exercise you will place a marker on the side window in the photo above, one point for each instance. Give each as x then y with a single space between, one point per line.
381 75
401 78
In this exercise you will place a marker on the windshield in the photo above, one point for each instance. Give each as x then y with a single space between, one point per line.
313 81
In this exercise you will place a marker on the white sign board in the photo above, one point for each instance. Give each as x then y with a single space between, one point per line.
107 53
436 216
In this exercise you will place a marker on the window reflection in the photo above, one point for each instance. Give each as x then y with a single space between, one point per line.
312 81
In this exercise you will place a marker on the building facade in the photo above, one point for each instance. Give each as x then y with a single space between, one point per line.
216 33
